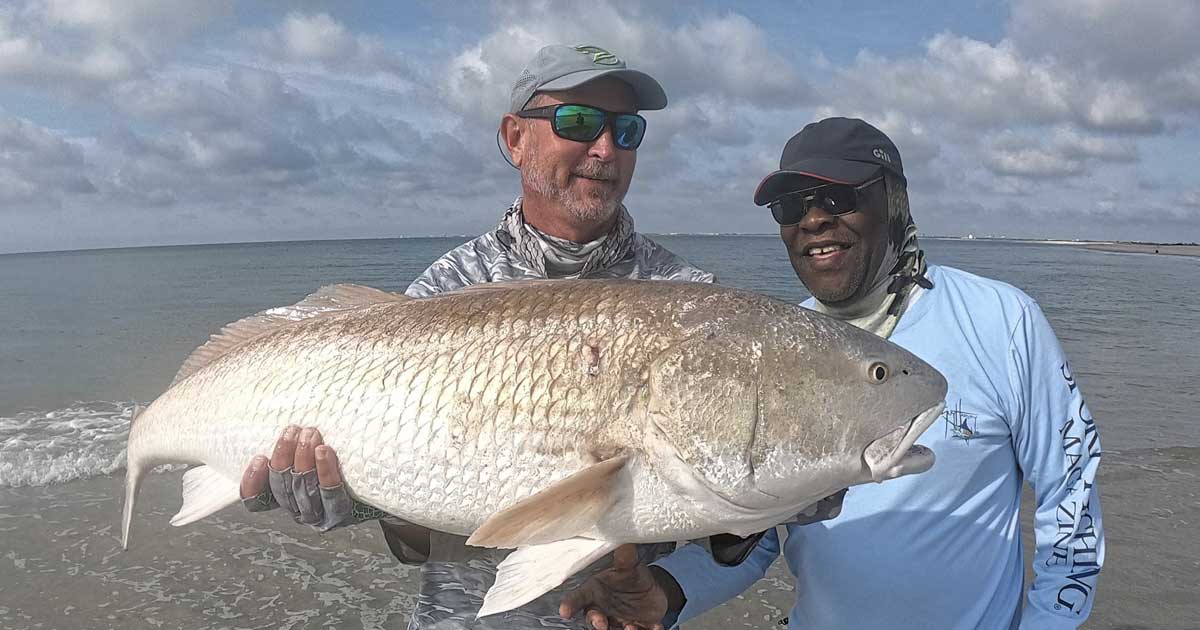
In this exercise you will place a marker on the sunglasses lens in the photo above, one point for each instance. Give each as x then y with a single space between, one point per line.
788 210
628 131
835 200
578 123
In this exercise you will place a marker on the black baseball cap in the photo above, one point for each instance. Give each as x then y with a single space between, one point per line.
834 150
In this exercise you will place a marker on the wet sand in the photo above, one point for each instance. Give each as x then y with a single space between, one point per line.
1141 248
61 565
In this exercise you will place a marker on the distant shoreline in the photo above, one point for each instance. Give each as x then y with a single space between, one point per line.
1192 251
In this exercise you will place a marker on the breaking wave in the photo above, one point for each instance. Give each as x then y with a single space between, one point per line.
87 439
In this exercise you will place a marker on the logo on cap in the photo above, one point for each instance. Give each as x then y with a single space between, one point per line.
599 55
882 155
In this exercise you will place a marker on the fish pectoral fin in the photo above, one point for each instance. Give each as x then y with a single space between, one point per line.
530 572
564 510
327 299
205 492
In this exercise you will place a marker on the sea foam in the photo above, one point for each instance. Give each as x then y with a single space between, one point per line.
83 440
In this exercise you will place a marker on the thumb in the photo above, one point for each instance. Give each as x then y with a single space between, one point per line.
578 599
625 558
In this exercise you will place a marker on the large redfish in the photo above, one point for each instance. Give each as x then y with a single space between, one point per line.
560 418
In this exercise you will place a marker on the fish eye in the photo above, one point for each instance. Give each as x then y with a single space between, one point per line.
878 372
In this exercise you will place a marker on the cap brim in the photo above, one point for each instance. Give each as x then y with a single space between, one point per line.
647 93
813 172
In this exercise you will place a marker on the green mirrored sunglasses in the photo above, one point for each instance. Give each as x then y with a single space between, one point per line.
584 123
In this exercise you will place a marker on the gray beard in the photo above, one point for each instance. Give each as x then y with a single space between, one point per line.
591 209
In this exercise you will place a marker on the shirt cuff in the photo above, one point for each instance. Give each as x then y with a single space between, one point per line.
683 567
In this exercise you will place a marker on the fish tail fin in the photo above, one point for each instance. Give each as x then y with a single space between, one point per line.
135 471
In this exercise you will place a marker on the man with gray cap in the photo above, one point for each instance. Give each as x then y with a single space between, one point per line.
941 549
573 131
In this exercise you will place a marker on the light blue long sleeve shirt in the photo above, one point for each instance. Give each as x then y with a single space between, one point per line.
942 549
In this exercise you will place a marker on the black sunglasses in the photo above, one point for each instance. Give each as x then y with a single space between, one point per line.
835 199
584 123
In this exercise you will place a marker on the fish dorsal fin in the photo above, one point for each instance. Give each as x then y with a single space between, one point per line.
507 285
564 510
327 299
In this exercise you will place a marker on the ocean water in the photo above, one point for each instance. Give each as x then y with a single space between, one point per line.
85 336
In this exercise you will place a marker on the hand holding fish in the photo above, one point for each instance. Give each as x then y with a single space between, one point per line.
628 596
303 476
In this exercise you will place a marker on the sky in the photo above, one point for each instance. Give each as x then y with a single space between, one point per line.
155 122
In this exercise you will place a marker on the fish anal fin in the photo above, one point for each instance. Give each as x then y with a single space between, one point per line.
327 299
564 510
530 572
205 491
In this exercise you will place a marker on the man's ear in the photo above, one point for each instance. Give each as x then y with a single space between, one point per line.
512 133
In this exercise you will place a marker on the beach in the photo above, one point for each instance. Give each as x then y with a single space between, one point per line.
90 335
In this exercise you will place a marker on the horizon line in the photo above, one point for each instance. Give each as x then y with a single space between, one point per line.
471 236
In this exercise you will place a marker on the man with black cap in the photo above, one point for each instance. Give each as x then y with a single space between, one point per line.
573 131
937 550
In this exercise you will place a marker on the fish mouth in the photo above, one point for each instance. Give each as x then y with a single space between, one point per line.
897 454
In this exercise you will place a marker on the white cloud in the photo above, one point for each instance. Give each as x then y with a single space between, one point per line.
1180 86
1006 186
724 57
37 163
142 23
1120 107
238 152
265 91
479 79
959 78
317 40
1140 60
1034 163
28 56
76 46
245 140
1128 39
1076 145
1063 153
728 56
994 86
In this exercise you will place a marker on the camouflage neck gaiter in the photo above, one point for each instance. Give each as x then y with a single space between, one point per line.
551 256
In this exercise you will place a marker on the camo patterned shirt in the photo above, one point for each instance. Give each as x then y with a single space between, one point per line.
455 576
512 252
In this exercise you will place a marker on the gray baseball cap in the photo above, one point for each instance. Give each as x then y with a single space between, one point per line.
557 67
